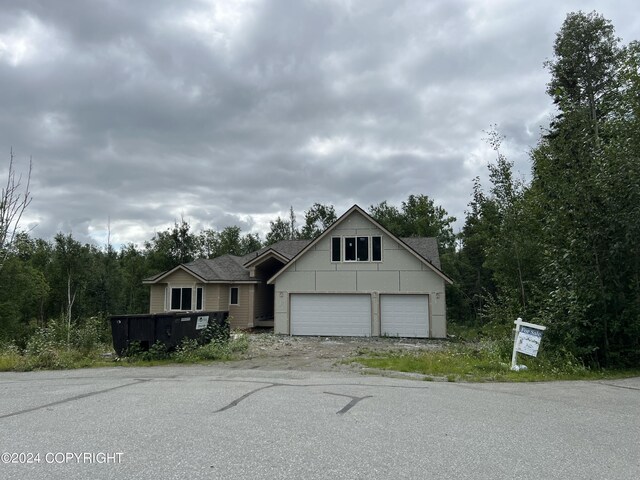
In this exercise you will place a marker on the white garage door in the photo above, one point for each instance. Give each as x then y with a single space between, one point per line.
331 315
405 315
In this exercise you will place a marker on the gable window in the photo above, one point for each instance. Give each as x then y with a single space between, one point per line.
233 296
349 249
335 249
376 249
181 298
199 298
362 249
356 249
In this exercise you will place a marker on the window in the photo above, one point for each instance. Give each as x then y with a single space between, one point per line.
362 250
199 298
233 296
376 249
356 249
181 298
350 249
335 249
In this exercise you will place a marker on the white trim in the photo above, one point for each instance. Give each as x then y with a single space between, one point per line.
343 248
170 297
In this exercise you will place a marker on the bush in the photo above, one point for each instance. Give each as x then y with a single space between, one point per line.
157 351
216 332
186 351
41 340
92 334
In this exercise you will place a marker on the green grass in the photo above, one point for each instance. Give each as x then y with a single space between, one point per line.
483 362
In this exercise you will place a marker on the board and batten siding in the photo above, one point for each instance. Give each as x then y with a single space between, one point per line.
398 272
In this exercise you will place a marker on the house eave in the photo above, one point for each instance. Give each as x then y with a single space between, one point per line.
211 282
173 270
265 256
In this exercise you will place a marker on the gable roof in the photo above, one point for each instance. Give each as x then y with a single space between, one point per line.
284 250
226 268
423 248
231 268
426 247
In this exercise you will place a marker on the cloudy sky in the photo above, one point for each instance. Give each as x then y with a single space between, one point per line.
138 113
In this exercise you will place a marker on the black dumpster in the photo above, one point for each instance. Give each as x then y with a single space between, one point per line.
169 328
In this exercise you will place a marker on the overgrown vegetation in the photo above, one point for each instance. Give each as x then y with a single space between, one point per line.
56 346
88 344
189 351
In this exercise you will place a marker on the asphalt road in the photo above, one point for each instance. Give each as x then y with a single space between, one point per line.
214 422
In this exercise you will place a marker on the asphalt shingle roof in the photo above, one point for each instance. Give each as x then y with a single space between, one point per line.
230 268
224 268
286 248
427 247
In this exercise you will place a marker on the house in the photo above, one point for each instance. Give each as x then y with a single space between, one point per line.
355 279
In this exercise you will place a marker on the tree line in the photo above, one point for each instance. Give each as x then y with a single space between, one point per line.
561 250
64 278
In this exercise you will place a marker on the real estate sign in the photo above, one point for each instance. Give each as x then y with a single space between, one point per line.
527 340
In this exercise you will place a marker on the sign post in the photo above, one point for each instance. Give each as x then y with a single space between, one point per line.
526 340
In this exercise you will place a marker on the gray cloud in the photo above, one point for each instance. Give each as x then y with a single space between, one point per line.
138 113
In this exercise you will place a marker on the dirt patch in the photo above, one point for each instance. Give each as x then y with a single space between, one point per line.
281 352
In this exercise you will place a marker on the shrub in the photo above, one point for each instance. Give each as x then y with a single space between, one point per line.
186 351
41 340
157 351
216 332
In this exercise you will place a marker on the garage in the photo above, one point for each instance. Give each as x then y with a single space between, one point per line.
404 315
331 315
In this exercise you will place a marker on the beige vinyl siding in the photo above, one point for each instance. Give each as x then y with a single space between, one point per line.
156 298
215 298
180 277
241 313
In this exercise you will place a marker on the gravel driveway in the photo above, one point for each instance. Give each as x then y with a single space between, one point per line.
321 354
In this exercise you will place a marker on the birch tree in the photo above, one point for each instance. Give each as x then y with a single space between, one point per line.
15 197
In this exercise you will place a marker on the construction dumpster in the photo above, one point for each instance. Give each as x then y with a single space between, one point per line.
170 328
